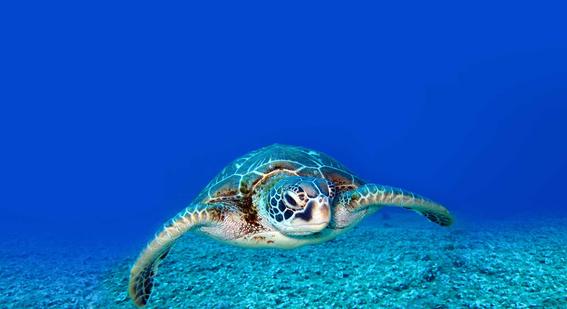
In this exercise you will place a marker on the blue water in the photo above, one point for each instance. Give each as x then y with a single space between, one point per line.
114 116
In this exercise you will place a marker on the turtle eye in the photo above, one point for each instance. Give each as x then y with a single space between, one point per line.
291 201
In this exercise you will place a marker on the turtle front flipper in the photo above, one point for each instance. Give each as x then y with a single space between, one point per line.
371 197
145 268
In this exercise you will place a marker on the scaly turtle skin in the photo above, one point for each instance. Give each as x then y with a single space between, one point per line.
278 196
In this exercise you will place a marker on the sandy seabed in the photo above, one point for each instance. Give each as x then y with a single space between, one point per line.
392 262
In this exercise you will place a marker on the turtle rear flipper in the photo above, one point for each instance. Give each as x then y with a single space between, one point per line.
375 196
144 270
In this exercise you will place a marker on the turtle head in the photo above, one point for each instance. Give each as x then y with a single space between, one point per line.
300 205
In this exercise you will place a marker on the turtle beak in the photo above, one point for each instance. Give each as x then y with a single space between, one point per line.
315 217
321 212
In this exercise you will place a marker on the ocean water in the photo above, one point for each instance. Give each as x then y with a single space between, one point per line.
114 116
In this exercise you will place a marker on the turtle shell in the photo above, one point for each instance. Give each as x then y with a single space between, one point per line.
246 174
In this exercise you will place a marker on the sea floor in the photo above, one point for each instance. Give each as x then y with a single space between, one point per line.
396 261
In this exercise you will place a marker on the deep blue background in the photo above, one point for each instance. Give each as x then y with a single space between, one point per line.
114 116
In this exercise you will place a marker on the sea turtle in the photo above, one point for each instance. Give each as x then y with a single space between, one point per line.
281 197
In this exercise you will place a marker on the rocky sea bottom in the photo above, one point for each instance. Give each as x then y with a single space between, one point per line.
395 261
